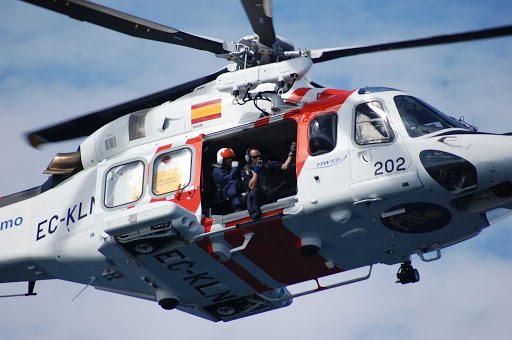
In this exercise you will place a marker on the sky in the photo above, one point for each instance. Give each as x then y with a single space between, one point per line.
54 68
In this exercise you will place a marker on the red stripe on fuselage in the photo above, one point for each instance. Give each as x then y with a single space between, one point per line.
333 92
157 200
310 110
250 279
207 223
235 268
191 199
262 122
164 147
298 94
275 250
331 103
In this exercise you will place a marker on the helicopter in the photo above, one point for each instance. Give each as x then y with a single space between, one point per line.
84 208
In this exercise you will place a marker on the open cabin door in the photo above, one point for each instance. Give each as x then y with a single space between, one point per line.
272 136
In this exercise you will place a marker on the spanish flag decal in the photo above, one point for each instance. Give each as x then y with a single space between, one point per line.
205 111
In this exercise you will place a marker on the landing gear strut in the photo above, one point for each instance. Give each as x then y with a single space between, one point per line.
407 274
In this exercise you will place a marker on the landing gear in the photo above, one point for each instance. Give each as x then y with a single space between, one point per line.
143 248
407 274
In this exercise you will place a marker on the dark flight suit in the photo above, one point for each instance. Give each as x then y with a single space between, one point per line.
228 181
265 192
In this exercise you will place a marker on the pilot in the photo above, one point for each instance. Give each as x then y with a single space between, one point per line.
370 124
257 179
226 176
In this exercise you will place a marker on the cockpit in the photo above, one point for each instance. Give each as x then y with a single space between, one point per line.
420 118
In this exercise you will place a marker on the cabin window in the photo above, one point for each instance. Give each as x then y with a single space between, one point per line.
123 184
372 125
172 170
322 134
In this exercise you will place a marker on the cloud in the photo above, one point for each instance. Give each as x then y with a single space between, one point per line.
461 296
54 68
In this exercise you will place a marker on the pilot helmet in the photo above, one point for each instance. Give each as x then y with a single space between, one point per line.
224 153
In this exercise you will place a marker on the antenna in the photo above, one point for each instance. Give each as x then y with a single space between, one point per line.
92 280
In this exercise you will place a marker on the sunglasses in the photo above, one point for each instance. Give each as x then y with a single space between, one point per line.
256 156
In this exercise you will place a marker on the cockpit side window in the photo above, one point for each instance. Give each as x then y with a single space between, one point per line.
372 125
420 119
322 134
123 184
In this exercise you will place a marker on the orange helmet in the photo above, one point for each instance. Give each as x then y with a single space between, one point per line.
224 153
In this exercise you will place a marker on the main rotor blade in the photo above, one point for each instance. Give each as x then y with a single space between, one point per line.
260 16
321 55
86 125
128 24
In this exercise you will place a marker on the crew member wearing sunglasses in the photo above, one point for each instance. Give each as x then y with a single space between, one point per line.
257 178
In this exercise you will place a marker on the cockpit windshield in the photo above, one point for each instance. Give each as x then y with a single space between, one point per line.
421 119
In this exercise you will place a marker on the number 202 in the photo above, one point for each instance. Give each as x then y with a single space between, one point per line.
389 166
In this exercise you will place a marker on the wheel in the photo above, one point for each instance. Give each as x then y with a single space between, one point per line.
226 310
143 248
416 275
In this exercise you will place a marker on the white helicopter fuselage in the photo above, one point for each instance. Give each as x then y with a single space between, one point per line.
133 222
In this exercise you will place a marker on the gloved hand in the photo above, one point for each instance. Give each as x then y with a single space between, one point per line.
234 164
293 147
258 166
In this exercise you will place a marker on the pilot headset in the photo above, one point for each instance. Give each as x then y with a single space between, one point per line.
247 157
224 153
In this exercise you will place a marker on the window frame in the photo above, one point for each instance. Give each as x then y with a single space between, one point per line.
442 117
168 151
104 184
336 129
387 123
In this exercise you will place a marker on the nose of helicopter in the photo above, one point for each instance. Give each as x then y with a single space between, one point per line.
478 161
491 156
